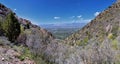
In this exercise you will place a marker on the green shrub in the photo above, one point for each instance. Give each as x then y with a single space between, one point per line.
115 44
11 27
38 59
24 51
78 43
83 42
26 54
110 36
22 28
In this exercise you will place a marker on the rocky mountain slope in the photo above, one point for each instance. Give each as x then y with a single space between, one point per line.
20 32
105 24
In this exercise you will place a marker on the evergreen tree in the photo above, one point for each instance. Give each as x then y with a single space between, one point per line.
11 27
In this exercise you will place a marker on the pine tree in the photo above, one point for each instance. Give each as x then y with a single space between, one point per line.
11 27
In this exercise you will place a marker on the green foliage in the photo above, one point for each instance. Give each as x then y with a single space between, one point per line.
11 27
28 32
83 42
115 44
21 28
25 54
117 63
39 60
78 43
110 36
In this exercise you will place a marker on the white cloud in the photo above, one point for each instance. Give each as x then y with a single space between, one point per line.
56 18
79 16
96 13
15 9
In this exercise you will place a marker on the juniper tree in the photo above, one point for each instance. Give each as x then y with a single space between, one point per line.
11 27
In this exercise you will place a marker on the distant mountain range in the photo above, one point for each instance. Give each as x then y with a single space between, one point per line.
64 25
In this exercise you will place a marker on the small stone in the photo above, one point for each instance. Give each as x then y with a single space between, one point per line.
3 59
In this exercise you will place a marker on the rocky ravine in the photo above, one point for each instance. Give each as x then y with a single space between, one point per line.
105 51
102 38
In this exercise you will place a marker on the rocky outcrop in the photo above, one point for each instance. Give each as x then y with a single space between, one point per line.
27 23
4 11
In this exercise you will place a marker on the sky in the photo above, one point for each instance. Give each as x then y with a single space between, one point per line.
57 11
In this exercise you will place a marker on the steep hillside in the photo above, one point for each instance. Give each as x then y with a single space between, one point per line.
105 24
23 36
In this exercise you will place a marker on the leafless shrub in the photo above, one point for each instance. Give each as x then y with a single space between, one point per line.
57 52
99 53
